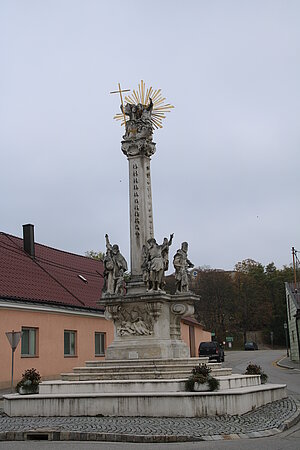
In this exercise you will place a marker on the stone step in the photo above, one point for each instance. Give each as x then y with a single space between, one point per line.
130 386
236 381
145 368
141 362
133 375
143 404
111 386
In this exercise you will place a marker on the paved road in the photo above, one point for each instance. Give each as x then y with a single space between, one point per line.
267 360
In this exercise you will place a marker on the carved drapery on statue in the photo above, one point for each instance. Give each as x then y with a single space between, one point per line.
181 265
115 266
155 263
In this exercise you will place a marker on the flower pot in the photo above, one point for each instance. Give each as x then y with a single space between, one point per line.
27 390
201 387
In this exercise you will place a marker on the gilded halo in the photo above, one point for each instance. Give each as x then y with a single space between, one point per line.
142 95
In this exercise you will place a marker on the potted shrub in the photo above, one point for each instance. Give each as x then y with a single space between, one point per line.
29 383
254 369
201 380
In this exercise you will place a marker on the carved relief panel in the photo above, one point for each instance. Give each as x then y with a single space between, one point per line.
133 319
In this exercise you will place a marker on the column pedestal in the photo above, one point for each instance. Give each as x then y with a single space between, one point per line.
148 326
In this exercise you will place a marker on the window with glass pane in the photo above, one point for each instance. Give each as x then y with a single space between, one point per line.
99 344
69 343
28 343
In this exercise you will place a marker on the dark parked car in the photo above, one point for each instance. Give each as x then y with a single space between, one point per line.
251 346
212 349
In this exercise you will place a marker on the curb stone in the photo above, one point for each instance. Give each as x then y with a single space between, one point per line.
105 437
293 419
286 366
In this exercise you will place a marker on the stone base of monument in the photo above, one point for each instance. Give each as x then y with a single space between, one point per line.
152 388
143 403
147 326
145 371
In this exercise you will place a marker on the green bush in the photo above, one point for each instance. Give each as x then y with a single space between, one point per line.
201 375
202 369
30 379
213 383
254 369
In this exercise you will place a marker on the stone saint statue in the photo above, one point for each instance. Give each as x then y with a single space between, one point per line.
181 265
115 266
155 262
145 265
165 251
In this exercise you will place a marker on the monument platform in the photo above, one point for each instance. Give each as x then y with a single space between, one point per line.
143 388
144 404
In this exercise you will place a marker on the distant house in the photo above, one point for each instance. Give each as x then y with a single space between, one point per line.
293 315
51 296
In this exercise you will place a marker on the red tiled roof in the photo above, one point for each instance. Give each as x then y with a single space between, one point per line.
191 321
52 276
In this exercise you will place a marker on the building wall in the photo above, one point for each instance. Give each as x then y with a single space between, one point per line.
50 324
292 323
50 360
200 335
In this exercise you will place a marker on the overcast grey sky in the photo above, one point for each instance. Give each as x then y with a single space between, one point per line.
225 176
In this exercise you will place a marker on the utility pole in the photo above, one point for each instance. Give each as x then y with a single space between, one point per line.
285 326
294 266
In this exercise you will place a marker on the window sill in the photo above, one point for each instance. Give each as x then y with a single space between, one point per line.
70 356
101 355
29 356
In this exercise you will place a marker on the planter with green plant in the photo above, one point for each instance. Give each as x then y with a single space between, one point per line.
29 383
201 380
254 369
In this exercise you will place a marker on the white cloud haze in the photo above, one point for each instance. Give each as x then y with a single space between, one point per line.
225 173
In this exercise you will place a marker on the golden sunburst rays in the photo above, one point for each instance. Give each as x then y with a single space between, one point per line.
143 95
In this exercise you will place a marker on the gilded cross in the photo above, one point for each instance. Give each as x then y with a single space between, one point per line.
119 91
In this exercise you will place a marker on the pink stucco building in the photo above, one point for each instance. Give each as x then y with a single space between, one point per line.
51 296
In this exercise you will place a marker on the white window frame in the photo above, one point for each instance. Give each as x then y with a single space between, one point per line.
101 345
32 337
72 350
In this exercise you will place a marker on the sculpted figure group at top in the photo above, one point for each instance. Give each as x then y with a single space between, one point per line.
139 124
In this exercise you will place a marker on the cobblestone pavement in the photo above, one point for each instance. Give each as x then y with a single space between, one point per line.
264 421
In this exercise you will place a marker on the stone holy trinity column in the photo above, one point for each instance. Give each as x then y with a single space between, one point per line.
138 146
147 322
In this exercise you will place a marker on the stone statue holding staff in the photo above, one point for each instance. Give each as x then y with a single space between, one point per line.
181 265
115 266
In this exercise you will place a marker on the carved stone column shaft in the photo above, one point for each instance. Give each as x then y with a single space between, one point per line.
140 206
